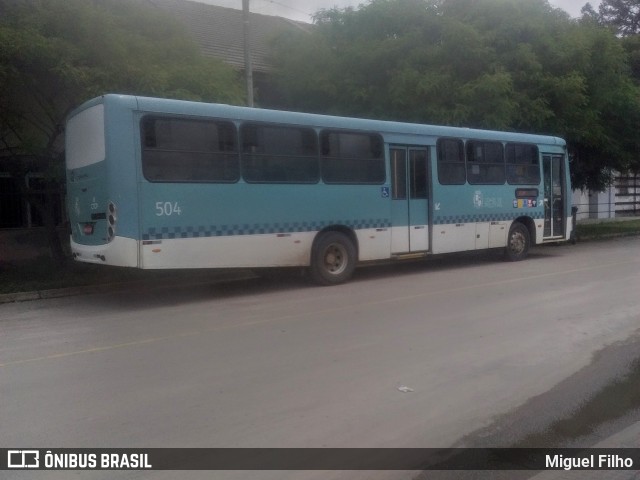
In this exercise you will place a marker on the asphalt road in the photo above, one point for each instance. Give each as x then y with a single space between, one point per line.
428 354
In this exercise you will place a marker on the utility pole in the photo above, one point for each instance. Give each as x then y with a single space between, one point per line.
248 71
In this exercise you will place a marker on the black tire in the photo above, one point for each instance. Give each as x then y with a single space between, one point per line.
333 259
518 243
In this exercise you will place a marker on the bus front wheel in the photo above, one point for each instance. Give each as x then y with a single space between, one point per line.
518 242
333 259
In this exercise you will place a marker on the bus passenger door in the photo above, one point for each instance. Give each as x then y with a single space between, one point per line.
410 199
554 195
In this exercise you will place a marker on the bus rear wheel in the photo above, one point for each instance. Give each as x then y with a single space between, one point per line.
333 259
518 242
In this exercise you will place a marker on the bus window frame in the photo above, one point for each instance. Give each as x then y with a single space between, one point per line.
228 154
440 162
483 164
244 154
380 158
537 164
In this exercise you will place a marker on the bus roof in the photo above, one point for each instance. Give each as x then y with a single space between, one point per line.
222 111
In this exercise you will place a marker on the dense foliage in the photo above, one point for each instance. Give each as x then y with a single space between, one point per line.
55 54
500 64
621 15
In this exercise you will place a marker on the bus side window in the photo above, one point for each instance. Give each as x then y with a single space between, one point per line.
523 164
485 163
188 150
352 158
279 154
451 170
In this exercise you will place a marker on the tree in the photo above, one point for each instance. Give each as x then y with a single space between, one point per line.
631 45
55 54
621 15
503 64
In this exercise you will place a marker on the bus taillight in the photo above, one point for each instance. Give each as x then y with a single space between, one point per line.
111 218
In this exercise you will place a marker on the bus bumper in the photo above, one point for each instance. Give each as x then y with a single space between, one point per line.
120 252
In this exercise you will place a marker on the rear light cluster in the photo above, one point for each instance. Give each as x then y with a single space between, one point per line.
111 218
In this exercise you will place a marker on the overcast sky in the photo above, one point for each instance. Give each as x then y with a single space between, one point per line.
302 10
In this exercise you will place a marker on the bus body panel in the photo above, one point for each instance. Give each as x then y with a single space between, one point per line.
277 221
470 217
119 217
101 181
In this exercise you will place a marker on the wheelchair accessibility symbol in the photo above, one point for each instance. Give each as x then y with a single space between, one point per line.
384 192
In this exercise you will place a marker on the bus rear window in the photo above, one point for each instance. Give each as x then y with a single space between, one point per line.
85 138
189 150
352 158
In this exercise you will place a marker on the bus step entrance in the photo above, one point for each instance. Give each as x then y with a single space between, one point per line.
409 256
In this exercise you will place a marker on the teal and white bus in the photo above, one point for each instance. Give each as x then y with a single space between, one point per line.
158 184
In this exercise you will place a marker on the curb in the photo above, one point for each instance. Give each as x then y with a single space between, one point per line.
223 277
629 437
605 236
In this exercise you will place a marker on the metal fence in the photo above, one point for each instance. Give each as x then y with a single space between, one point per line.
627 195
622 199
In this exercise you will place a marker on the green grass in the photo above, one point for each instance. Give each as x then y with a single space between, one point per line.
606 229
43 274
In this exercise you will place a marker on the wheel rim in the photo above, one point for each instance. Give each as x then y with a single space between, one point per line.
517 242
336 259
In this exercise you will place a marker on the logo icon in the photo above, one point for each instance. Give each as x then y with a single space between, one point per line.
23 459
477 199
